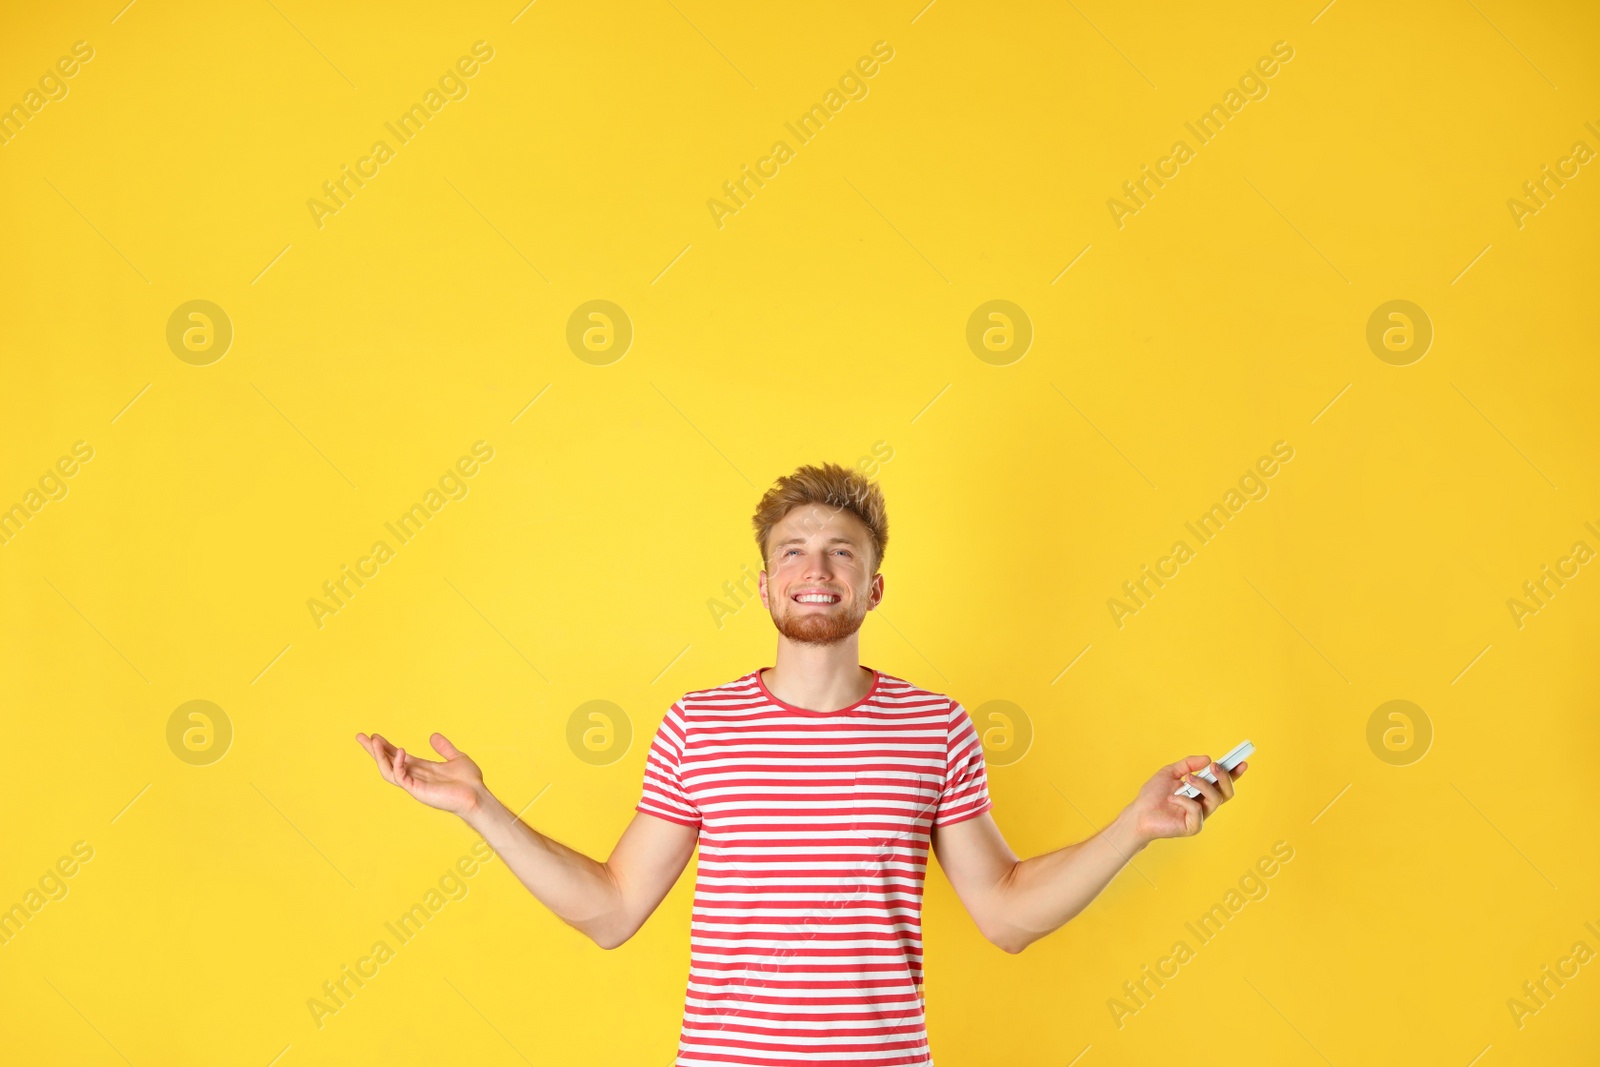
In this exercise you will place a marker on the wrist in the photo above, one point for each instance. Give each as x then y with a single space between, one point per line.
480 808
1125 834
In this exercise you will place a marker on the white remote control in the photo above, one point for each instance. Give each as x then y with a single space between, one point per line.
1242 751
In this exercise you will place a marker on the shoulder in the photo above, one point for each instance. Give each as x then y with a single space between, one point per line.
698 702
894 688
897 692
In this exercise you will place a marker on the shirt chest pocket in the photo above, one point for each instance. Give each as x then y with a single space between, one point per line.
894 807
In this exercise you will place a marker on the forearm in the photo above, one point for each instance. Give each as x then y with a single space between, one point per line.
1039 895
581 891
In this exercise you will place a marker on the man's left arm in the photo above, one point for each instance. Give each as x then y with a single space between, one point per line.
1016 902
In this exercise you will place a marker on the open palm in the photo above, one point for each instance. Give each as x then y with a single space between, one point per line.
456 785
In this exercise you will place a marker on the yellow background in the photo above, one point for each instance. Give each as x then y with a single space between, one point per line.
827 315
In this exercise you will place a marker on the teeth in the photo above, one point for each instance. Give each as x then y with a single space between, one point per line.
816 598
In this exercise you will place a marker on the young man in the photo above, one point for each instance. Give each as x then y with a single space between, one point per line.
814 789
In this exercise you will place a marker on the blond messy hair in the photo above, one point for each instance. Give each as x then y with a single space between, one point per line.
829 485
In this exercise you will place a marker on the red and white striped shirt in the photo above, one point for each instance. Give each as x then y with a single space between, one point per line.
806 938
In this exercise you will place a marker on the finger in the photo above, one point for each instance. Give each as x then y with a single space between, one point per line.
1187 764
441 744
383 753
1194 815
1210 795
1224 781
1238 772
380 755
411 770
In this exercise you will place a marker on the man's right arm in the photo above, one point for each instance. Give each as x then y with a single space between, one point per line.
607 902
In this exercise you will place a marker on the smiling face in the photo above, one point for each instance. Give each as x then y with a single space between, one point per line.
819 582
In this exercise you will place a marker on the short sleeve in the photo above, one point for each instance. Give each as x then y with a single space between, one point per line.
663 794
966 781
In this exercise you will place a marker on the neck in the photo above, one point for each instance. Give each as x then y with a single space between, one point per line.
819 677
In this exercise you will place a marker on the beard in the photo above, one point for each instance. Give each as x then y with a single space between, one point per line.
820 627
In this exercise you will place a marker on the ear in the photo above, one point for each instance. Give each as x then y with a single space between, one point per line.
761 588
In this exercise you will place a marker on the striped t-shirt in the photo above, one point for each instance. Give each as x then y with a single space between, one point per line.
805 944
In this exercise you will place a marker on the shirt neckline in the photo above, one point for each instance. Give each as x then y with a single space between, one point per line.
877 683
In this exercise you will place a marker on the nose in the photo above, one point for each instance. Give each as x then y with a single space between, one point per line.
819 567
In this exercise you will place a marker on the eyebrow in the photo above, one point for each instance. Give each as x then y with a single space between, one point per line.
835 540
